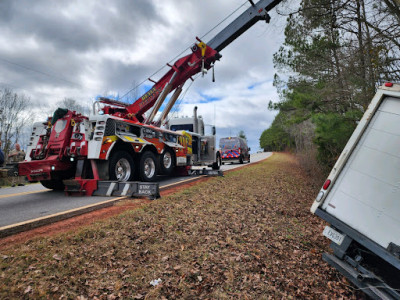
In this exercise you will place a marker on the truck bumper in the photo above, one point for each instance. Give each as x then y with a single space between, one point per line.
230 159
366 281
37 170
372 271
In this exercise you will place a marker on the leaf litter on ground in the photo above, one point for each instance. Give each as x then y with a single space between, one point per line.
247 235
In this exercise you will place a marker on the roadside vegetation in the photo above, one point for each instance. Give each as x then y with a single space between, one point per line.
336 53
248 235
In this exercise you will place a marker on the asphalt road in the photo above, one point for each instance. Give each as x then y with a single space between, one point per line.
25 203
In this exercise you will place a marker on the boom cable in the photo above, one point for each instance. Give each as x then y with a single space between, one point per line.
40 72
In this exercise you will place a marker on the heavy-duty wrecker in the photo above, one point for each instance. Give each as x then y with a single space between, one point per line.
118 143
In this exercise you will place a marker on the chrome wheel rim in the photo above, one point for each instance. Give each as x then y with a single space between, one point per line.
123 170
149 167
167 160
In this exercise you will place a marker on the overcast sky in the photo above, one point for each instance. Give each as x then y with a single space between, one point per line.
50 50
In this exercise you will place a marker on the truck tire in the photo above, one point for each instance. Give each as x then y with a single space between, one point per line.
122 166
148 167
217 164
167 162
53 184
241 159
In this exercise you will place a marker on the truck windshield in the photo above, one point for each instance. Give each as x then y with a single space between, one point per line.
187 127
226 144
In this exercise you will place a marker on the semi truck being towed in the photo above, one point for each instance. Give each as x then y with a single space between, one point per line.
119 141
361 200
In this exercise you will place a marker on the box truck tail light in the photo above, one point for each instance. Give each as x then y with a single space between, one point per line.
327 184
388 84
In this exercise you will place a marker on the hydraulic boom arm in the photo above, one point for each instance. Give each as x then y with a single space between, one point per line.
202 58
247 19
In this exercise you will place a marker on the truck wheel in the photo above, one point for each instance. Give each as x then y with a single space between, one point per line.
148 166
167 162
53 184
217 164
241 159
121 166
249 158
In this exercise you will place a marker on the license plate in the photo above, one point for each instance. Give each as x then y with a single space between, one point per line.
333 235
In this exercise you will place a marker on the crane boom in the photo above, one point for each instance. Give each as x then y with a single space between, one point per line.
256 12
202 58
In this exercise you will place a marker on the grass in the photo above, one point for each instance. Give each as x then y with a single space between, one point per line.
248 235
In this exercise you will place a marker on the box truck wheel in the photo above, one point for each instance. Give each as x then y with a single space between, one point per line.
122 166
53 184
241 159
148 166
167 162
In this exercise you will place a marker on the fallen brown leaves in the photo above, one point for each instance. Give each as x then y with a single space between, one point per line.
248 235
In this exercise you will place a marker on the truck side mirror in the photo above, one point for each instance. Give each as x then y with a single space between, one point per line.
213 130
249 149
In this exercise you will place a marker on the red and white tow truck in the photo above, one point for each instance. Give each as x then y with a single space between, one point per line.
118 143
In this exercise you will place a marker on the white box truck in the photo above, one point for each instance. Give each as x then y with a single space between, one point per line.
361 200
